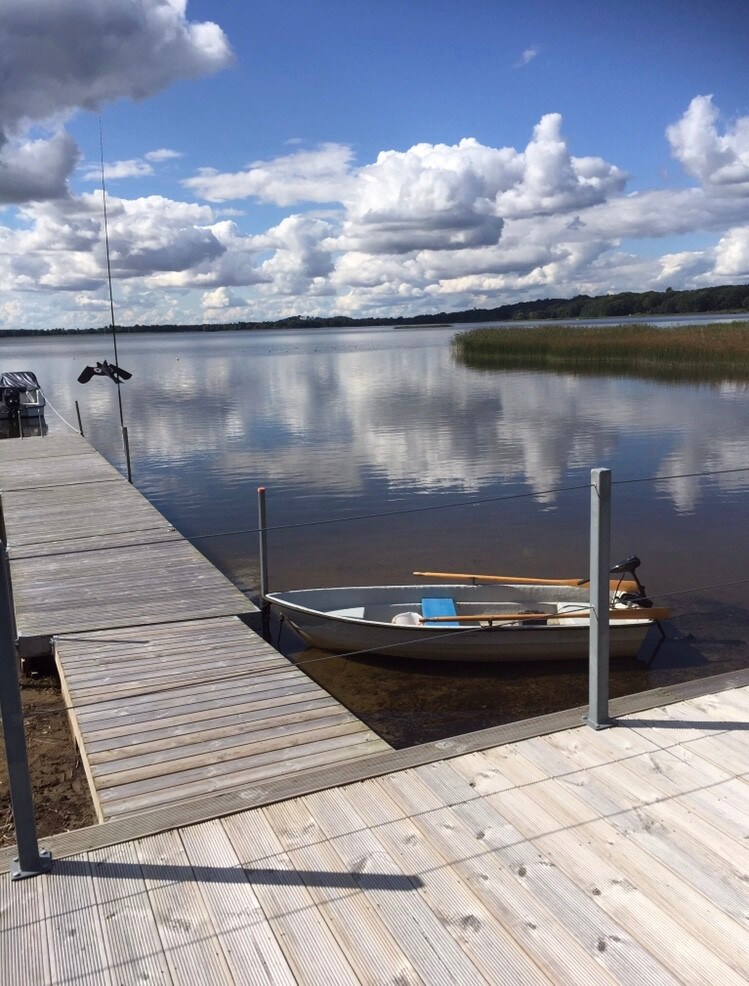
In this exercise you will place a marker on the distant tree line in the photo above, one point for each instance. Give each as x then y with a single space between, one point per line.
726 298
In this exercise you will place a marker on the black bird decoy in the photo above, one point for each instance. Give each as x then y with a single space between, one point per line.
104 369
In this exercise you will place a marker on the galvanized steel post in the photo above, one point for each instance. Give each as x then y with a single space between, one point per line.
30 860
600 542
263 529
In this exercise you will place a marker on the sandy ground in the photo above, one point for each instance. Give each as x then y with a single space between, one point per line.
60 789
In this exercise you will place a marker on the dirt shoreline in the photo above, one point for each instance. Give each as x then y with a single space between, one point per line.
59 786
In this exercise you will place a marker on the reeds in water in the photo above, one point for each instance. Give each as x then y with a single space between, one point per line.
710 351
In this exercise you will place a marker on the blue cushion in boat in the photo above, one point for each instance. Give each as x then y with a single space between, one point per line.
433 606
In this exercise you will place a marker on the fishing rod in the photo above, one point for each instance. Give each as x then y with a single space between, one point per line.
104 368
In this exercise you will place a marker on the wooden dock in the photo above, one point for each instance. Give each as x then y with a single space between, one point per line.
170 712
170 695
87 551
570 856
249 841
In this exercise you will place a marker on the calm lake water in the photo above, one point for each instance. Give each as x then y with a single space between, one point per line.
360 435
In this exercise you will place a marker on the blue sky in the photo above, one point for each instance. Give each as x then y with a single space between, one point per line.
366 157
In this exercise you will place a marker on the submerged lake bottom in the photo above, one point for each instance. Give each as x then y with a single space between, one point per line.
412 702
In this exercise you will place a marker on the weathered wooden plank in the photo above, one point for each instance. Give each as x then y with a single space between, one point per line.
228 749
88 551
177 748
132 586
64 470
256 775
167 712
226 769
181 705
175 729
58 515
52 447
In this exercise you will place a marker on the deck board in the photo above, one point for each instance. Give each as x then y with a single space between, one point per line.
152 732
88 551
600 858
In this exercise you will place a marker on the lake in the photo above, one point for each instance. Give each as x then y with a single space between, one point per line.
382 455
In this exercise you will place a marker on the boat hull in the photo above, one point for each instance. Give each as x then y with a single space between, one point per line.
357 620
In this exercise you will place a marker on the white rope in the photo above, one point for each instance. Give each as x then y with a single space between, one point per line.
54 409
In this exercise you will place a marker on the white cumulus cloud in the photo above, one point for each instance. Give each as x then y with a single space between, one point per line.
31 170
80 54
732 254
320 175
718 160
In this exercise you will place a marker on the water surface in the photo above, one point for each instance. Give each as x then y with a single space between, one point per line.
382 455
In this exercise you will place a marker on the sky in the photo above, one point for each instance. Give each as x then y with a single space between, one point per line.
269 158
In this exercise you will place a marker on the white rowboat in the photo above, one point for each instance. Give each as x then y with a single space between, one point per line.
504 622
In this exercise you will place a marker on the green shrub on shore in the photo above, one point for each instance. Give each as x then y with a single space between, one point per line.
716 349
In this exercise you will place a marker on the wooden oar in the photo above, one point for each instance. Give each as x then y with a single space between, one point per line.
625 585
633 613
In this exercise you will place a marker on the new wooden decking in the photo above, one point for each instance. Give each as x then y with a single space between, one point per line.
88 551
598 858
170 712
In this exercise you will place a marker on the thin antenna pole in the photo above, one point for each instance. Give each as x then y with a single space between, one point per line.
125 442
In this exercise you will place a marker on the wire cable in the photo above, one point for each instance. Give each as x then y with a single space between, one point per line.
251 672
50 405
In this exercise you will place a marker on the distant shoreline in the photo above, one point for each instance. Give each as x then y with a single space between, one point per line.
727 299
560 323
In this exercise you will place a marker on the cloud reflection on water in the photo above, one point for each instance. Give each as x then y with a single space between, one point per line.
326 413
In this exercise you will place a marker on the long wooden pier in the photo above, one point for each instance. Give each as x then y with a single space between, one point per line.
87 551
170 695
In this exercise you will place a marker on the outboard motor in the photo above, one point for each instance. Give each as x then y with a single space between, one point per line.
629 567
11 397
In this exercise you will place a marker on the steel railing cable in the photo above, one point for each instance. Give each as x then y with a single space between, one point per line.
475 501
260 672
682 475
300 524
397 513
440 506
252 672
411 510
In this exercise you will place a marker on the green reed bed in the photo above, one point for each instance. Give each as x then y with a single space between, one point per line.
716 349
